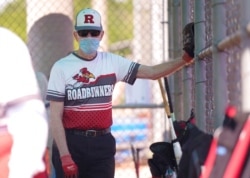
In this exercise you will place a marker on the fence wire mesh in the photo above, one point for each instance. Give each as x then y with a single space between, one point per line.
147 32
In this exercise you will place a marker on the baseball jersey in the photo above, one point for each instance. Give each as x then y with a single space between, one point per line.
86 88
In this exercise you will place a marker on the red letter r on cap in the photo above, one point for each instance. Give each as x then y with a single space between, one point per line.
89 19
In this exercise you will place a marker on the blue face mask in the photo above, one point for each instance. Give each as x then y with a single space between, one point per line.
89 45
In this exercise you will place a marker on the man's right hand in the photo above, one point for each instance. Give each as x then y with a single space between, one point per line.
69 167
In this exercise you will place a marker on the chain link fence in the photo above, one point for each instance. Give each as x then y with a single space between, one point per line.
132 29
215 80
148 32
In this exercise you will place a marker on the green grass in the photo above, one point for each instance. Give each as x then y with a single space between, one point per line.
120 18
120 21
14 18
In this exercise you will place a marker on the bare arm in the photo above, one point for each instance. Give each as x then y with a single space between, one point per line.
57 129
160 70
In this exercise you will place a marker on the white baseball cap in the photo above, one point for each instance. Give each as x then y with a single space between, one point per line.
88 19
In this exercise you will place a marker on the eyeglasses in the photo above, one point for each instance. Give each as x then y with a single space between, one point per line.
84 33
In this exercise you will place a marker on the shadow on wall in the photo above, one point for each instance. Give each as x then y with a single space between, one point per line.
50 39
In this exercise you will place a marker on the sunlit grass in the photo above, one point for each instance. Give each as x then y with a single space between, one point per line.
120 18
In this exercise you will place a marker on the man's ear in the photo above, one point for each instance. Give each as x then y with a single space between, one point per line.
101 36
76 36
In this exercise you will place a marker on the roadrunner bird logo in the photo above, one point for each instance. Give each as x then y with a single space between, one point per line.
83 76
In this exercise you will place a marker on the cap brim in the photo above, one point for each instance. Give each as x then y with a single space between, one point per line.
88 28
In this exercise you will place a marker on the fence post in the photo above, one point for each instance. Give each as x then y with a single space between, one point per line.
219 63
245 61
177 86
187 71
102 8
200 68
